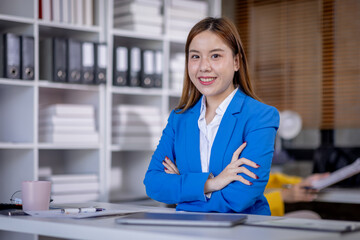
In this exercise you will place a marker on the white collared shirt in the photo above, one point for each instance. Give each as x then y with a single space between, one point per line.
208 132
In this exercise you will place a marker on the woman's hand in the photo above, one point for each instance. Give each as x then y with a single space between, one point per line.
302 192
170 167
230 173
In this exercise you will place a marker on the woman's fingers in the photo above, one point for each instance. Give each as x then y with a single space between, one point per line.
170 166
247 172
245 161
243 180
238 151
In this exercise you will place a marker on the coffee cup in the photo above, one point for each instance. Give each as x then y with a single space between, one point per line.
36 195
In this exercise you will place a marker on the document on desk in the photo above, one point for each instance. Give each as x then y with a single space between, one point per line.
57 213
308 224
338 175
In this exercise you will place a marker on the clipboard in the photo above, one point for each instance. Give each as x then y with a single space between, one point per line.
183 219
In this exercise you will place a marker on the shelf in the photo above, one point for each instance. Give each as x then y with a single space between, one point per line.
137 91
56 146
119 148
4 145
174 93
16 82
7 21
73 27
138 35
82 33
84 87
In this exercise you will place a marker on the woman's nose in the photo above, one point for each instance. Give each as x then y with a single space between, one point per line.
205 65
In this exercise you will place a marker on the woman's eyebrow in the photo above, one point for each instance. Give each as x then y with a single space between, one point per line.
213 50
217 50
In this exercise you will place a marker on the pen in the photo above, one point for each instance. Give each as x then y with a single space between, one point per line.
81 210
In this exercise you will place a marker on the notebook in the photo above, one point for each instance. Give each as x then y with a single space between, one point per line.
183 219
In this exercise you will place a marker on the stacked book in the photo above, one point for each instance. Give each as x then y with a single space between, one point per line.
136 126
177 69
70 188
184 14
79 12
139 15
68 123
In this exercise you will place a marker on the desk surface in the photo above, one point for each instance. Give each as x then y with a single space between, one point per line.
106 228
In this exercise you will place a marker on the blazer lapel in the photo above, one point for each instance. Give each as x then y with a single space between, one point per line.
225 133
193 139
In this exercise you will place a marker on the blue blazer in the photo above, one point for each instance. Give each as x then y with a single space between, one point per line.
245 120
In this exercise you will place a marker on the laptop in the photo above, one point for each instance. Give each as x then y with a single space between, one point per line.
183 219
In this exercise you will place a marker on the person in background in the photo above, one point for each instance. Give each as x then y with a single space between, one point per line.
283 188
215 152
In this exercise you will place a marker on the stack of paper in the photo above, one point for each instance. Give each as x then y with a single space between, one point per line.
136 126
74 188
177 69
68 123
138 15
184 14
79 12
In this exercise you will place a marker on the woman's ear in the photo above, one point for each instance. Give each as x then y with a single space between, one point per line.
236 62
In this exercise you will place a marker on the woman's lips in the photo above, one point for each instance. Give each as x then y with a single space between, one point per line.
207 80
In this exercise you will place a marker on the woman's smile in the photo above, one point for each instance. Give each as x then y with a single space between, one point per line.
207 80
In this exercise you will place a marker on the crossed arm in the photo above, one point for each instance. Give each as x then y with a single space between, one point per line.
227 176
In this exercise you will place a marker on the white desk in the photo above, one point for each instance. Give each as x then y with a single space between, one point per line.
106 228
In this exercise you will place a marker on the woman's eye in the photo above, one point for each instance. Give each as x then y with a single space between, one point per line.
215 56
194 56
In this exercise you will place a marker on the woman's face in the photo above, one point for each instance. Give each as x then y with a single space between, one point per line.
211 65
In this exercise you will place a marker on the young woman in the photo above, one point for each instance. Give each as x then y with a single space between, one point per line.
219 124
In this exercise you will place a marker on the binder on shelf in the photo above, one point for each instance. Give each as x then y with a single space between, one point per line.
74 61
2 57
59 60
88 62
27 58
79 15
147 68
158 69
73 11
40 9
135 66
88 12
56 10
46 10
121 66
100 63
66 12
12 56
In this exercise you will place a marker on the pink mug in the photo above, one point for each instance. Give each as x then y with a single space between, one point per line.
36 195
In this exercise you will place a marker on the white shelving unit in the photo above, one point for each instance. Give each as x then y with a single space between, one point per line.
120 169
129 164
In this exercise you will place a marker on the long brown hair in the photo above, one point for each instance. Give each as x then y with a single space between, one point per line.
227 31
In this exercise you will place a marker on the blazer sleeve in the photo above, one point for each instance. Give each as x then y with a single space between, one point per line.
172 188
260 135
